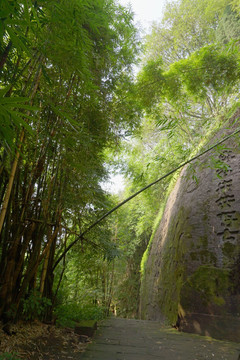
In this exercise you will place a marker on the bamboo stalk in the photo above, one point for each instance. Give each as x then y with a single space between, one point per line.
11 179
16 160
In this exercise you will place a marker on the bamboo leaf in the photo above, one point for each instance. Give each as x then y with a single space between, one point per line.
13 100
45 74
24 116
4 90
16 116
63 114
3 111
17 41
26 7
6 133
29 107
35 16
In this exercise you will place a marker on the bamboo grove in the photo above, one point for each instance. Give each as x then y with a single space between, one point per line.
69 103
63 65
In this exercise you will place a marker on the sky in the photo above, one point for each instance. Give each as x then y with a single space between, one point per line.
146 11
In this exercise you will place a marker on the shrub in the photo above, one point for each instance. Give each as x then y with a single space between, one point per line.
69 314
35 305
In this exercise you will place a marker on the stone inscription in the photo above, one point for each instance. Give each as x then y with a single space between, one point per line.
225 203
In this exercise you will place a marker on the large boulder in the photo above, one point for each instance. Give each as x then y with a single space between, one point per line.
192 273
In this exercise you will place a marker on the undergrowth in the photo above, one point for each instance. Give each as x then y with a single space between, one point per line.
8 356
69 314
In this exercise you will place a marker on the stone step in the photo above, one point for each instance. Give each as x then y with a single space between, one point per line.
86 327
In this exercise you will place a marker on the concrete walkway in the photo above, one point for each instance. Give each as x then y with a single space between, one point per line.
122 339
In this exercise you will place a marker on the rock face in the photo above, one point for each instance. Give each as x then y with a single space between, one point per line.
192 273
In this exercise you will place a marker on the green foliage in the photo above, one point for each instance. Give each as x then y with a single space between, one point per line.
14 18
186 27
127 282
34 306
155 227
209 70
10 118
236 5
69 314
150 79
16 21
229 26
8 356
64 66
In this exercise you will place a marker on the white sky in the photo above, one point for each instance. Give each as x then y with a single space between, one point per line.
146 11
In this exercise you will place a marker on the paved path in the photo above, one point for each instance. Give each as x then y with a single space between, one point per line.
122 339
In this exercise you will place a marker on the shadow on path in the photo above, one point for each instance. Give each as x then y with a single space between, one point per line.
123 339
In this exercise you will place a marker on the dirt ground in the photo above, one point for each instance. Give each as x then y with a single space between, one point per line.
37 341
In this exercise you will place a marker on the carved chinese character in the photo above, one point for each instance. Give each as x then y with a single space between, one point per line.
225 201
225 186
228 218
226 155
224 172
229 235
